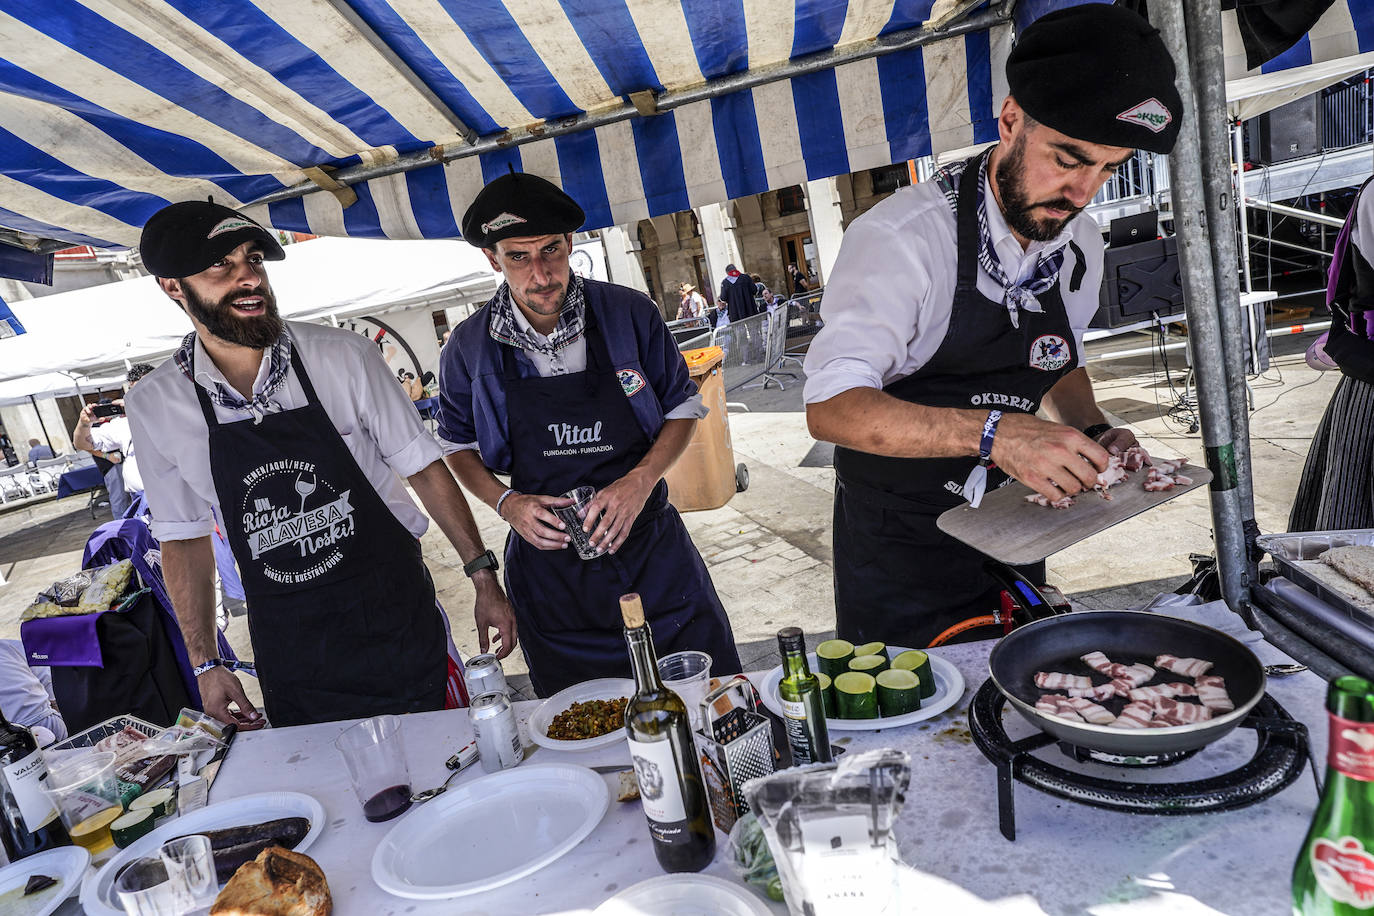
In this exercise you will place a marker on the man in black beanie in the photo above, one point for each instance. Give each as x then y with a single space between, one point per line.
956 310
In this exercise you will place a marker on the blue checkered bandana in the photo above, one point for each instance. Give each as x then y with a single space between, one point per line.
1015 296
572 321
224 396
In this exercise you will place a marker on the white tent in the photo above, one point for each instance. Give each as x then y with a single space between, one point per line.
100 328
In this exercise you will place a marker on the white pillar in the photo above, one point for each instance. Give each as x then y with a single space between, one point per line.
827 226
719 243
622 265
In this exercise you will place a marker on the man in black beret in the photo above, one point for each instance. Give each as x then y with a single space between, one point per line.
956 309
293 439
565 382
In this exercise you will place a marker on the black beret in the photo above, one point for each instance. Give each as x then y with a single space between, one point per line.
1098 73
517 205
181 240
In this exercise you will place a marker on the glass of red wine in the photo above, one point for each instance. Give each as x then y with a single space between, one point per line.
375 757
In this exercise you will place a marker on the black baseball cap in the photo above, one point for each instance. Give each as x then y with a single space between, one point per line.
183 239
518 205
1098 73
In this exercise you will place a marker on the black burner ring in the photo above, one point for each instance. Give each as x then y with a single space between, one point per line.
1281 754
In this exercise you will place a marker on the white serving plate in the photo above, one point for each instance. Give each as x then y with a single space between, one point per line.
97 895
949 687
684 895
603 688
531 815
65 863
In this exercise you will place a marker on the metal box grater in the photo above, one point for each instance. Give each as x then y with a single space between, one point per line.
735 747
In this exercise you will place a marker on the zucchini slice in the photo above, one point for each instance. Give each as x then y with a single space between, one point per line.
872 648
827 694
129 827
161 801
833 655
898 692
856 696
918 663
868 664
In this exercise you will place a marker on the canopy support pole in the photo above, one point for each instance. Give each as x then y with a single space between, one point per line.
41 425
1205 329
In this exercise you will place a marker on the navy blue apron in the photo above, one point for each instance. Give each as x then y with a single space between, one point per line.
341 608
898 578
567 608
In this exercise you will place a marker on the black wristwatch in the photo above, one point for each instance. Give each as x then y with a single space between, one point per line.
486 561
1097 429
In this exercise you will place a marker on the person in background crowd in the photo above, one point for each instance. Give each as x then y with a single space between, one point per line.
38 451
114 438
26 695
1336 491
692 304
958 306
299 439
7 450
800 284
564 382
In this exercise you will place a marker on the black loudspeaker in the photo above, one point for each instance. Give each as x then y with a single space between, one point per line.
1138 280
1290 131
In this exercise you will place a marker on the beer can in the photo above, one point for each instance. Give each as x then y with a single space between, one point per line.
483 674
498 734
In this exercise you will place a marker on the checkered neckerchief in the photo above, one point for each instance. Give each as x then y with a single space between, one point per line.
572 321
224 396
1015 296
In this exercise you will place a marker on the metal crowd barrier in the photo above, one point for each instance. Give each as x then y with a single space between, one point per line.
754 349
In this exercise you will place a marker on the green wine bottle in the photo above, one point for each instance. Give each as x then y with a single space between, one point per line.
802 705
665 757
1334 874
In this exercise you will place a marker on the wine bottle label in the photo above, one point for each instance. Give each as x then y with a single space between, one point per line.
1351 748
1345 871
25 781
794 718
660 788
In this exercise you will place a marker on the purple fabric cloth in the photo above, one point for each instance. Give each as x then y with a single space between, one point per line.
62 641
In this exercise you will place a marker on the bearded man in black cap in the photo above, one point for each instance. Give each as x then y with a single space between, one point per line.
564 382
956 309
298 437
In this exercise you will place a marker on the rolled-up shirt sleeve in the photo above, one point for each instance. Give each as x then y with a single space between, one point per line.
179 512
872 310
390 418
691 409
457 431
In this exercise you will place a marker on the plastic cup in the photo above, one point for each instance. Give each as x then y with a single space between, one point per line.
86 794
191 860
574 516
375 757
687 674
146 887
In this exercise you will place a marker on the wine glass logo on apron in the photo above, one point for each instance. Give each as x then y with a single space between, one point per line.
296 522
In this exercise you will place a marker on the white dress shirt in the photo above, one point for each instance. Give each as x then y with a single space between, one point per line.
371 410
26 693
889 297
571 359
117 436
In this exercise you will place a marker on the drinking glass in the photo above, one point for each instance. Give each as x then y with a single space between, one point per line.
147 887
687 674
574 516
86 793
375 757
191 860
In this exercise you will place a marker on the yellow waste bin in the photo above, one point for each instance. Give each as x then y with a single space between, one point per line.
705 477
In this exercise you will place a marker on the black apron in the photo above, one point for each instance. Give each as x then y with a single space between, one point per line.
579 429
898 578
341 607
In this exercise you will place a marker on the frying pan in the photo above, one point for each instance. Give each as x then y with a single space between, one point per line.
1056 643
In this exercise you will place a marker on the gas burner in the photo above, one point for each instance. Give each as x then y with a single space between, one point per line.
1088 755
1281 754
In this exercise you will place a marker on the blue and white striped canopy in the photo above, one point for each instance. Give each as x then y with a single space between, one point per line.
110 109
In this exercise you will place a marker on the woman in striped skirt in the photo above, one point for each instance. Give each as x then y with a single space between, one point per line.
1337 486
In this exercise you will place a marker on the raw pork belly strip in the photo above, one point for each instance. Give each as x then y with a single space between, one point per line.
1180 713
1062 502
1090 711
1050 705
1188 667
1135 715
1099 663
1135 674
1161 691
1211 690
1099 693
1053 680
